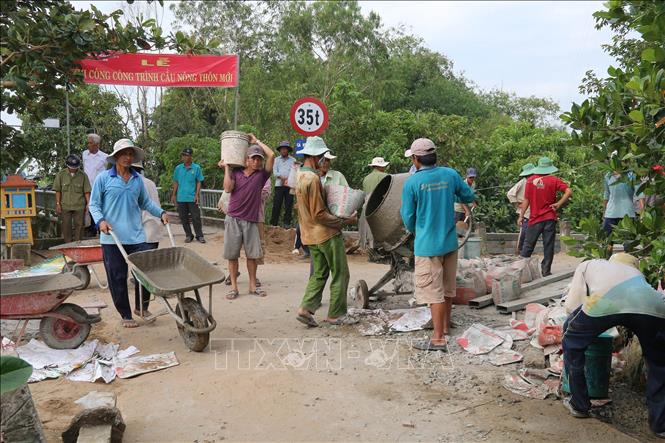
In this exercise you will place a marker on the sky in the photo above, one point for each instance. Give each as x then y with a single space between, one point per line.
536 48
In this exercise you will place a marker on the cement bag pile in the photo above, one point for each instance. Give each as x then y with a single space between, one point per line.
343 201
506 287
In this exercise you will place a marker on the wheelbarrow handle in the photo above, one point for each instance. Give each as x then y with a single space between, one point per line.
119 245
168 229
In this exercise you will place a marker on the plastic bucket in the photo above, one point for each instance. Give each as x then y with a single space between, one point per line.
472 247
234 148
382 212
596 369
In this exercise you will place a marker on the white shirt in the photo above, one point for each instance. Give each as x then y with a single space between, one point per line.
516 195
93 164
152 226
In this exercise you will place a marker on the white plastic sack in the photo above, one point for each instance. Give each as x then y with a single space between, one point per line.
292 179
343 201
223 203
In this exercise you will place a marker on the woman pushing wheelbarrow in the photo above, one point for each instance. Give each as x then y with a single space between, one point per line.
118 196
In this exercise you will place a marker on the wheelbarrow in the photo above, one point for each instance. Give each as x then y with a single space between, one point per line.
62 325
78 256
170 273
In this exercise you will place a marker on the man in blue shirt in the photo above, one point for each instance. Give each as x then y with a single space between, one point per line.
618 199
427 210
283 196
118 196
187 179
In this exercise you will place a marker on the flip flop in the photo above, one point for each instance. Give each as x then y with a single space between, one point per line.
232 294
129 323
308 320
258 292
146 317
426 345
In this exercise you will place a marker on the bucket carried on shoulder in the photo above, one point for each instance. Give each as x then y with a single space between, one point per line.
234 148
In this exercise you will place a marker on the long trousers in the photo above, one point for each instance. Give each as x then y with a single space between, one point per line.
547 229
282 197
580 330
72 225
185 209
328 258
116 273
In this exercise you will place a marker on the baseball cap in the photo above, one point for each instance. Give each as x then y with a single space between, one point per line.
420 147
73 161
187 151
255 150
471 172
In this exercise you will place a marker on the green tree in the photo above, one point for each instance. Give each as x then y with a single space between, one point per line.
623 127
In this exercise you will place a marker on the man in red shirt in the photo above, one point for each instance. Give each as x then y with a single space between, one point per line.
541 196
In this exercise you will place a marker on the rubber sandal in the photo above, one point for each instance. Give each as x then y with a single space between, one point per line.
129 323
232 294
307 320
426 345
258 292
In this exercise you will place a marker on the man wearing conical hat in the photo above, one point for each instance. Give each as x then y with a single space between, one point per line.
516 197
540 196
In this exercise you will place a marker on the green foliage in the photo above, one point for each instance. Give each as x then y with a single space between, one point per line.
206 154
42 41
14 373
621 125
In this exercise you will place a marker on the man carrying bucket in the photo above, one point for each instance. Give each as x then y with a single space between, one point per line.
604 294
427 211
321 231
118 196
241 225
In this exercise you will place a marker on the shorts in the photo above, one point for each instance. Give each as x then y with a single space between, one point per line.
459 216
434 278
241 233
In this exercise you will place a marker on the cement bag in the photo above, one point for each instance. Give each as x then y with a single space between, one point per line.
473 280
506 288
524 269
293 176
343 201
494 273
534 265
223 203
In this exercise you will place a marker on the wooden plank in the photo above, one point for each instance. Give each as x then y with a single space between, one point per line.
547 280
481 302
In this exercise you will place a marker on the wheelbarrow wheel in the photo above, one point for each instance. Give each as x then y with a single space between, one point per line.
61 334
194 315
362 295
81 272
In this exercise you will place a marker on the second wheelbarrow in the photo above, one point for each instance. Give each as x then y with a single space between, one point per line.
79 255
170 273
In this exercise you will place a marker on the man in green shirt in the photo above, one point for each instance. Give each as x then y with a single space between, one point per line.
72 196
378 166
370 182
330 176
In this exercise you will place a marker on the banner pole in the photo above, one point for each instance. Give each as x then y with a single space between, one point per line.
69 151
235 113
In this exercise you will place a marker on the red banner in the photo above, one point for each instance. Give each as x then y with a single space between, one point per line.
174 70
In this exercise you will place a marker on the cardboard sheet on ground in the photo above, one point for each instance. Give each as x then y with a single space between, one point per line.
479 339
380 321
133 366
50 266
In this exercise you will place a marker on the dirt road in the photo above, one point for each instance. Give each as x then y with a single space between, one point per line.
266 377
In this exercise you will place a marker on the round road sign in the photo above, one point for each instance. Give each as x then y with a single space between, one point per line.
309 116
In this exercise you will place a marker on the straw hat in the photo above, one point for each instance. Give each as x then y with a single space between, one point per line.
125 143
379 161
